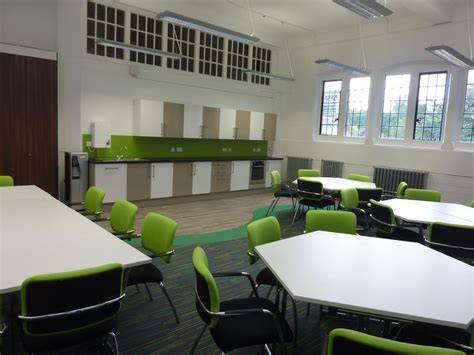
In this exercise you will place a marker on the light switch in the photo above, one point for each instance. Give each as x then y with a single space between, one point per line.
224 150
229 149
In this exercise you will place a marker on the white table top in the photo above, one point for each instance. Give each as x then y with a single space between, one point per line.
42 235
337 184
22 192
379 276
428 212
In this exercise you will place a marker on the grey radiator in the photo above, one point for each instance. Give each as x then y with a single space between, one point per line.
331 168
293 164
389 178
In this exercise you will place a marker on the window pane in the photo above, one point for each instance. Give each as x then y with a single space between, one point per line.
395 105
330 107
357 107
430 106
467 131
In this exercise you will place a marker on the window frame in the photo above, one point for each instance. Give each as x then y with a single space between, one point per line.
346 111
323 82
462 77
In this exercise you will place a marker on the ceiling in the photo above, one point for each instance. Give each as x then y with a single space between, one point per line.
299 16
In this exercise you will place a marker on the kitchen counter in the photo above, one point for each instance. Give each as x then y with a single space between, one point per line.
172 160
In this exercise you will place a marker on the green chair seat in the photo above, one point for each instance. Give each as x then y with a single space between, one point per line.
357 177
6 181
423 195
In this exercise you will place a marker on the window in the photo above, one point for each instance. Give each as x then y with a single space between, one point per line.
145 32
237 60
211 54
261 59
107 23
181 41
394 115
330 107
430 106
467 131
357 107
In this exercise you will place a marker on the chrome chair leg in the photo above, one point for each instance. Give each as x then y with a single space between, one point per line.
169 301
196 342
138 289
274 205
149 293
270 207
114 345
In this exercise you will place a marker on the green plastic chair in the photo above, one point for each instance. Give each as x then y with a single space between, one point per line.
122 219
157 237
6 180
472 203
331 221
350 202
93 203
56 313
423 195
346 341
282 191
308 173
357 177
400 193
235 323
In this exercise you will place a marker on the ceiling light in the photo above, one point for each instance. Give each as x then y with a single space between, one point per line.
106 42
342 67
181 20
365 8
451 55
267 75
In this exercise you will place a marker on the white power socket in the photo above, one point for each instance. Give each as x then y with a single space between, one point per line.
173 150
179 149
89 144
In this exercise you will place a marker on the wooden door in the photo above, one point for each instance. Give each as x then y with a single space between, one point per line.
210 122
269 127
138 181
242 125
13 118
182 179
173 119
41 117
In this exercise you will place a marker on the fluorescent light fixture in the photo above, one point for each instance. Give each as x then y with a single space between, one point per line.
181 20
342 67
451 55
106 42
268 75
365 8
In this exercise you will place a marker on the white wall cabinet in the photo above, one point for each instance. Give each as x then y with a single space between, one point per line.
271 165
202 177
240 175
148 118
161 180
227 124
112 178
257 120
192 121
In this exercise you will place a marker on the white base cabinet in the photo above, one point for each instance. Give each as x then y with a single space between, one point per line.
202 177
161 180
240 175
112 178
271 165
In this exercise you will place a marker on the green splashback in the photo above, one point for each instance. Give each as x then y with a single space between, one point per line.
154 147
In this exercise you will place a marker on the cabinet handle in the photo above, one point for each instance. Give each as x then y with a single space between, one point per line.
194 168
162 128
202 131
153 171
235 132
232 167
111 168
267 165
263 133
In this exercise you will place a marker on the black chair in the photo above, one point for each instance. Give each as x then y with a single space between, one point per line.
282 190
63 309
310 194
367 194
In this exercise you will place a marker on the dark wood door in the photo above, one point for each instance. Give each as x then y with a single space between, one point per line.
41 129
13 118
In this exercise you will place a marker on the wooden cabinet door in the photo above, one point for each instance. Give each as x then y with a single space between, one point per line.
182 179
220 176
13 118
269 127
210 121
173 120
138 182
41 117
242 125
161 180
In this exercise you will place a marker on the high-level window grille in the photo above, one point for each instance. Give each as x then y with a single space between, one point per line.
467 131
181 40
145 32
237 60
211 54
394 115
105 22
261 59
357 107
330 107
430 106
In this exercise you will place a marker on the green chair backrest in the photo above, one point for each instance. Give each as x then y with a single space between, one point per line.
423 195
122 216
6 180
346 341
206 288
158 234
472 203
384 214
261 231
331 221
93 200
357 177
63 292
349 198
276 179
309 173
402 186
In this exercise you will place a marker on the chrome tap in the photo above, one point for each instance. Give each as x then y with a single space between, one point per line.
119 156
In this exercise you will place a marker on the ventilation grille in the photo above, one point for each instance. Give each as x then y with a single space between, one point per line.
389 178
330 168
294 164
